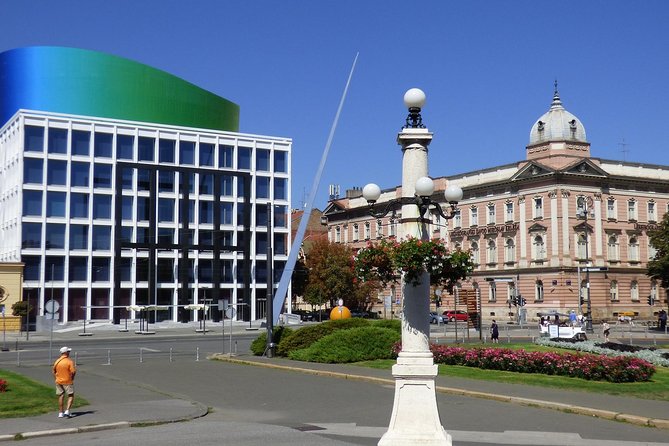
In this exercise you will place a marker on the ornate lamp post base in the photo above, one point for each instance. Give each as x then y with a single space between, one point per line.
415 417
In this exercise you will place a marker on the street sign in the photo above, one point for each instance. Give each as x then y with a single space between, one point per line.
51 306
594 269
230 312
499 279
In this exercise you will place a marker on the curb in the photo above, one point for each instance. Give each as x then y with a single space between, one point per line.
658 423
199 412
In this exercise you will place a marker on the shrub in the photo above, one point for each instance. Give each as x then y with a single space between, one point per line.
306 336
393 324
3 385
259 344
655 357
356 344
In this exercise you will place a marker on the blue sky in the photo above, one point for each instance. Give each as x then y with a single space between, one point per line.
487 68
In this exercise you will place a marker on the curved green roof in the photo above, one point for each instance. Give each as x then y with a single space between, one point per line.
90 83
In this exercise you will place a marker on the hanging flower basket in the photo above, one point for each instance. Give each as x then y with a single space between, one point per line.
389 260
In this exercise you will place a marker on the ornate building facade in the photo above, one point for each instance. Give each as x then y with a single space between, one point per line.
558 228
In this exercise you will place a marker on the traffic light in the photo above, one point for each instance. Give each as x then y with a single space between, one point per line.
521 301
650 300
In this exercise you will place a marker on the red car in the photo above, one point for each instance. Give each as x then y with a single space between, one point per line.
452 315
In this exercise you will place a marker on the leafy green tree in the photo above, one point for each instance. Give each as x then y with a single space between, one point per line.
331 274
299 279
658 268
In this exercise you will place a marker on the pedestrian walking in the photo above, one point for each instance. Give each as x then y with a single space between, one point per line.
494 332
606 330
63 372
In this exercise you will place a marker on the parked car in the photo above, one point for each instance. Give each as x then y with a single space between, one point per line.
452 315
436 318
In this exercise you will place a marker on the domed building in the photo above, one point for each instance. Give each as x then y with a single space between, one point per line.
560 230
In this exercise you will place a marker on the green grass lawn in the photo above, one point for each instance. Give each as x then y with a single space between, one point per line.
25 397
655 389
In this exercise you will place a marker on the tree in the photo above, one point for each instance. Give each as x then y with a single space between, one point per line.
658 267
300 278
331 275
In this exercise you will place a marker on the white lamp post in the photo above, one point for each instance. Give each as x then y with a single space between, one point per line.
415 416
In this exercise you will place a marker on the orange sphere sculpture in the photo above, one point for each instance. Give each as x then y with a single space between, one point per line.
340 313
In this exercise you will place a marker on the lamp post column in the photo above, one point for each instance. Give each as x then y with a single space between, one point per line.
415 416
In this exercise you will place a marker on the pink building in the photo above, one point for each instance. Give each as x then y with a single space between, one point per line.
527 228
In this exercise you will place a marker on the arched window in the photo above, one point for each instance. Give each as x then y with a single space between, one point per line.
613 290
337 234
492 292
539 291
475 253
581 247
539 248
510 251
634 290
492 251
614 252
356 232
634 250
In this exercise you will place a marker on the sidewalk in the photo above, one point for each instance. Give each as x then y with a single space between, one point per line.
116 404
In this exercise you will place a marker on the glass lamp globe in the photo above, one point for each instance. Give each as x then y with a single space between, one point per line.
371 192
453 193
424 186
414 97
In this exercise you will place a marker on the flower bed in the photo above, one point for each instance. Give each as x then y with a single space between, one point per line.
617 369
655 357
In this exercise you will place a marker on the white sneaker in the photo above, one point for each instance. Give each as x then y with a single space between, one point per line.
67 414
61 415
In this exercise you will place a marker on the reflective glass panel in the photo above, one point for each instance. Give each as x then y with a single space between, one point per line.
280 161
206 212
126 208
78 237
280 188
102 146
33 139
31 234
244 160
79 174
166 150
55 204
78 269
186 152
262 187
54 236
101 237
226 185
206 184
143 208
32 202
57 141
262 160
102 206
56 172
100 269
78 205
33 171
165 181
206 154
145 148
124 146
143 179
225 156
102 176
31 268
165 210
81 142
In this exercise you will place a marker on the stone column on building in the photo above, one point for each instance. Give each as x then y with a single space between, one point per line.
522 261
554 233
566 244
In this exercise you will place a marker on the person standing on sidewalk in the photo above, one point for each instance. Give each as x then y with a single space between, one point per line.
606 330
494 332
64 371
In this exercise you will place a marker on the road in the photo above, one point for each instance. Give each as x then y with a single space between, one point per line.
283 405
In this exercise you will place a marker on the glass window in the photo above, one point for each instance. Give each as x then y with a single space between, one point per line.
125 269
127 177
280 244
101 237
100 269
79 174
56 172
244 160
538 207
31 267
187 236
510 253
142 270
102 146
206 211
101 206
81 142
262 187
651 211
539 291
33 171
31 235
78 269
78 237
491 213
226 185
280 161
206 184
262 160
613 249
165 273
124 146
280 216
226 271
475 253
240 214
634 290
102 176
206 237
126 234
143 179
191 211
241 187
280 188
611 208
78 205
261 243
166 150
126 208
54 268
145 148
225 154
54 236
539 249
205 270
166 236
226 213
492 251
57 141
165 181
262 217
206 154
143 209
474 216
32 202
613 290
509 211
33 139
631 210
142 235
457 219
186 152
165 210
634 249
55 204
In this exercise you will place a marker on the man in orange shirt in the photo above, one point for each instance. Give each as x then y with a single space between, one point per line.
64 371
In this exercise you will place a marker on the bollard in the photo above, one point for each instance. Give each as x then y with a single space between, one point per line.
18 358
108 357
141 358
75 359
235 347
170 354
630 338
197 354
654 339
508 336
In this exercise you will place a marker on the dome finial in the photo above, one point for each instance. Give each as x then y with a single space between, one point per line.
556 96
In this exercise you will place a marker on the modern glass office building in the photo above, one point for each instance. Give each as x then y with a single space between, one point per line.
122 185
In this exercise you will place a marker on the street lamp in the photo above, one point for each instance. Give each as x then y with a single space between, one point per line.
415 416
583 211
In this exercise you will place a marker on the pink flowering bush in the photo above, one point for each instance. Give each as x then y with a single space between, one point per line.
3 385
618 369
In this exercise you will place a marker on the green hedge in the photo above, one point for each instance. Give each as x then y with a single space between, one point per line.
306 336
258 345
393 324
353 345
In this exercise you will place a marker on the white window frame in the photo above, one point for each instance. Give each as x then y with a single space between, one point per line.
368 231
509 212
613 248
634 291
611 213
510 251
338 234
539 248
379 228
476 254
652 216
631 209
581 244
633 249
474 216
492 251
538 291
491 213
538 207
613 291
356 232
457 219
492 292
